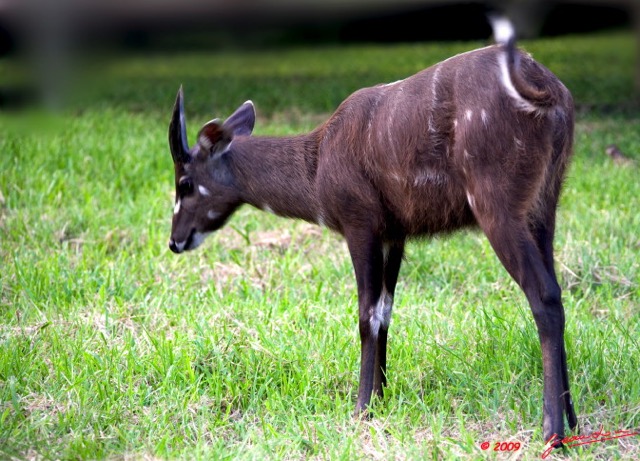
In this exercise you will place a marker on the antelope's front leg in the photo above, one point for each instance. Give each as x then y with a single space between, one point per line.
392 259
367 258
374 308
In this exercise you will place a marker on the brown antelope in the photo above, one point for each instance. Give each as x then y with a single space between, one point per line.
480 139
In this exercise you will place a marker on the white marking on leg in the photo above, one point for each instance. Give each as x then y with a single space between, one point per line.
268 209
387 309
176 208
386 247
468 114
376 319
381 313
204 191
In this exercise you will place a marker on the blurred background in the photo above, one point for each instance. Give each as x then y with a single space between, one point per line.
55 38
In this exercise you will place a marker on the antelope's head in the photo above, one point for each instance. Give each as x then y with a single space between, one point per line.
205 187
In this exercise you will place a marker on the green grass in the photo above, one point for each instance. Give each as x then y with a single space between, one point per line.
111 347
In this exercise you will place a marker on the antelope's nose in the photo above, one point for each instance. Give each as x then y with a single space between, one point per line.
176 247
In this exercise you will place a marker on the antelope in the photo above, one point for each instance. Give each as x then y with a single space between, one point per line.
482 139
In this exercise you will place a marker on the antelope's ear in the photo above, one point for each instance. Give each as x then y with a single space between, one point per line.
214 138
241 122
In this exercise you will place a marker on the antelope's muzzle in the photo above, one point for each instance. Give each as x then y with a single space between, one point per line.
179 247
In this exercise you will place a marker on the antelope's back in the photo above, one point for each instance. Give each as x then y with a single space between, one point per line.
425 141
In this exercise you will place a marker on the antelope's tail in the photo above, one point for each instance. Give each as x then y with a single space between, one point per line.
533 97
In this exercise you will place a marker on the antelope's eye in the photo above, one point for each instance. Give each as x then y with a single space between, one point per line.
185 187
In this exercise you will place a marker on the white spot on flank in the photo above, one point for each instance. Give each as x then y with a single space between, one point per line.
471 200
268 209
390 141
432 129
390 136
519 144
212 214
469 114
204 191
320 220
176 209
484 116
396 177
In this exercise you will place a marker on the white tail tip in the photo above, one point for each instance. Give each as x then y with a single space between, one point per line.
503 30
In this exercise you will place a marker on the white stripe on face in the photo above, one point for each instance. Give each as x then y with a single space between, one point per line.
176 209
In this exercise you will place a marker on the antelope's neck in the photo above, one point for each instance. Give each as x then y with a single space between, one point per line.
277 174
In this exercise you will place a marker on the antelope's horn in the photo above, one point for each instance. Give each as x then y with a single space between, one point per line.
178 132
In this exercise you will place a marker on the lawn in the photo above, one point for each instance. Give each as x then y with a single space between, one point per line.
112 347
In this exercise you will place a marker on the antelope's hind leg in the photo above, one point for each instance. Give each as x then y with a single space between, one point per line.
543 233
520 254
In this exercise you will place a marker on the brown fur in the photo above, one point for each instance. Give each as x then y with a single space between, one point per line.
447 148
